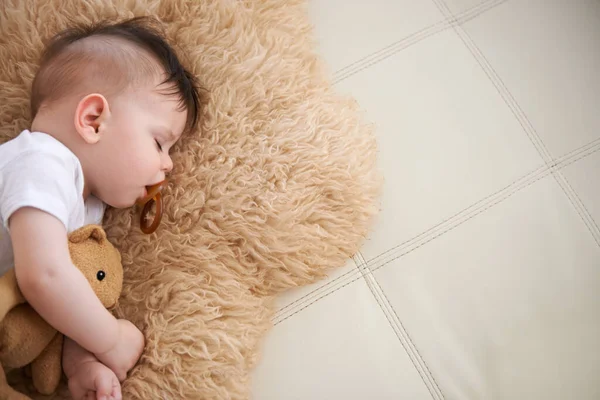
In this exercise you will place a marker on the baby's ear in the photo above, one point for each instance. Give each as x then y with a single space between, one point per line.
91 112
94 232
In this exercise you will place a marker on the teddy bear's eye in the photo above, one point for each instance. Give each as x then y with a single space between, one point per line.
100 275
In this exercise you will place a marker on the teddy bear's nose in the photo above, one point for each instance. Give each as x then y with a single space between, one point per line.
113 306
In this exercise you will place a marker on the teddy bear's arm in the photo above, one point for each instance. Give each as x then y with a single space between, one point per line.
23 336
46 370
10 295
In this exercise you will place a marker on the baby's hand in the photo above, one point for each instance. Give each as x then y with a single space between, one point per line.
126 352
94 381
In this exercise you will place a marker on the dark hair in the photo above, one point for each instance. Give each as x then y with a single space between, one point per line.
62 58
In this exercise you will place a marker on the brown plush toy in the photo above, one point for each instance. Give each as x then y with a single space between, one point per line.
26 339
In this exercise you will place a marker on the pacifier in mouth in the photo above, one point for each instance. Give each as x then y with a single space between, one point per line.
153 196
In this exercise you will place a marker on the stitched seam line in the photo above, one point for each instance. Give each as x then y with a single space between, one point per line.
401 333
315 295
390 50
578 199
407 349
332 285
541 176
464 16
558 161
314 300
523 119
581 209
349 277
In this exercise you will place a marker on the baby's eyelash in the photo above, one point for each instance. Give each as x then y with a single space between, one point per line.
158 144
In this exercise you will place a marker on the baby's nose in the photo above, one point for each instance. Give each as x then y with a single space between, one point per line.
167 164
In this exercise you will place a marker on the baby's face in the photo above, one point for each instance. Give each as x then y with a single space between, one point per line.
142 128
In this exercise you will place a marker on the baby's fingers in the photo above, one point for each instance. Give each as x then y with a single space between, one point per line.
116 390
107 387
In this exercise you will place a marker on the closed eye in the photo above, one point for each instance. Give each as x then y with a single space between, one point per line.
159 145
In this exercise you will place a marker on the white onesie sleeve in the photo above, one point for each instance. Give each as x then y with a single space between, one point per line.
41 180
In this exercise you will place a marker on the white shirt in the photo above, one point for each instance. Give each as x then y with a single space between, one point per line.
38 171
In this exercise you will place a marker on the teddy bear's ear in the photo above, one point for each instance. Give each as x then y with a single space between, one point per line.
82 234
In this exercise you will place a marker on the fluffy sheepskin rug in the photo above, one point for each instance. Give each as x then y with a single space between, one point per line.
276 187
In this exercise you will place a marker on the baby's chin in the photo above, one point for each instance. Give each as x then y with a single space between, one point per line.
120 203
121 198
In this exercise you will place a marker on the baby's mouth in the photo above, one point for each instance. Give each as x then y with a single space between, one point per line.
151 192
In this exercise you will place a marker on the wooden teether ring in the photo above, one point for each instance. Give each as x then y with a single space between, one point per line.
145 226
154 196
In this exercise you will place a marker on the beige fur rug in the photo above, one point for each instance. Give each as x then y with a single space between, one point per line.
278 186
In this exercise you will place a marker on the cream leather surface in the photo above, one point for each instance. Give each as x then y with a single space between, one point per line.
481 278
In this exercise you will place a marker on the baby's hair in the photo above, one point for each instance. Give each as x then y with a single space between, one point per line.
110 58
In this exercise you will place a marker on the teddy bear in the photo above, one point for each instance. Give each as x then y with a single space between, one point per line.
26 339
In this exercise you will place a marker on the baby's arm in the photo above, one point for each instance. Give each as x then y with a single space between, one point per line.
53 286
60 293
74 356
